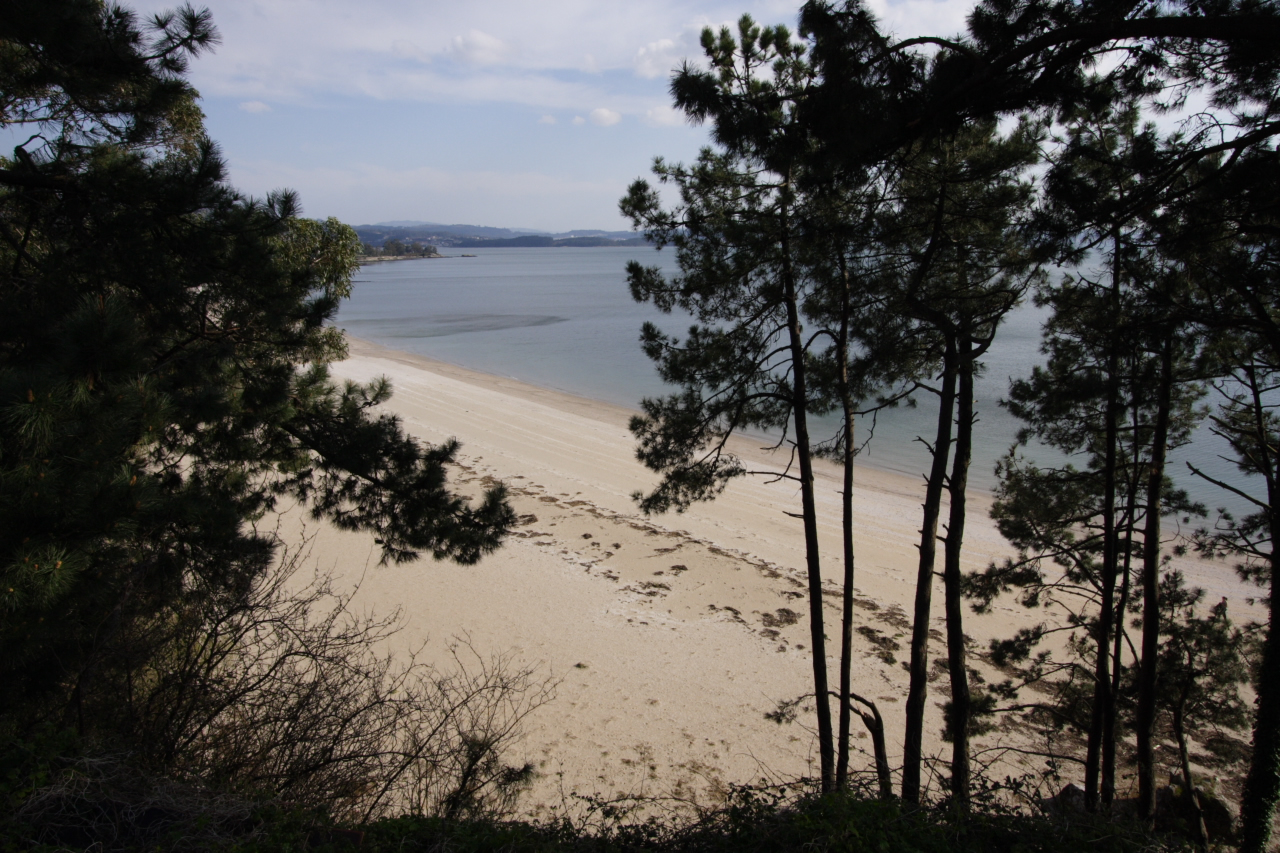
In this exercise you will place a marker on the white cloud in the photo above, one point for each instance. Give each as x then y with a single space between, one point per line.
487 86
313 44
605 117
663 116
547 120
409 50
906 18
656 59
316 47
347 65
480 48
255 107
565 56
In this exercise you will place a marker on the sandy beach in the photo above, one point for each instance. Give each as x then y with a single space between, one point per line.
670 636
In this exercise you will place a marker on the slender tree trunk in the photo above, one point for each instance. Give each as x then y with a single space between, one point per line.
817 637
1199 833
884 777
919 665
1146 713
846 507
953 545
1262 785
1118 641
1106 606
875 725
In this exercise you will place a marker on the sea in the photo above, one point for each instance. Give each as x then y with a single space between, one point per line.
563 318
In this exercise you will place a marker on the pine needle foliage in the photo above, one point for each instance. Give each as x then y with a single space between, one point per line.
163 342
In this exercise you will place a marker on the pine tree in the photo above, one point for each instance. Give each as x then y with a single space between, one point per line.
874 361
1223 231
1020 56
776 271
963 201
1203 663
1118 390
1059 517
162 351
1029 56
744 364
1240 316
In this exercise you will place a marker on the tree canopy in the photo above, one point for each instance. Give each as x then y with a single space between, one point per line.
163 342
857 202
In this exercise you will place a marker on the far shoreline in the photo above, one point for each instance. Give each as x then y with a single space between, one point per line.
869 477
746 445
380 259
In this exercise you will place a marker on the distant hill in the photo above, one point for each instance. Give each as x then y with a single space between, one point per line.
478 236
526 241
629 240
536 241
456 230
587 232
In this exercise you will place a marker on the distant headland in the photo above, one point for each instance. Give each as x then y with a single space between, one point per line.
407 239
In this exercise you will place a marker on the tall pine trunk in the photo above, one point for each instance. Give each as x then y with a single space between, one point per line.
1262 785
1146 712
918 687
817 637
1102 698
961 709
1198 830
1118 640
846 513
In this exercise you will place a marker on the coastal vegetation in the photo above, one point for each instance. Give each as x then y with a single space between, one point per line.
394 248
868 213
162 389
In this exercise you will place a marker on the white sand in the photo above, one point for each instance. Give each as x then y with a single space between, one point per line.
665 631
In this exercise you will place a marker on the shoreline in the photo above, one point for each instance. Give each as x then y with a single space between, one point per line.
586 406
1217 581
381 259
747 446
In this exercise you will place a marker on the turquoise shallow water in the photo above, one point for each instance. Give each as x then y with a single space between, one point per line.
563 319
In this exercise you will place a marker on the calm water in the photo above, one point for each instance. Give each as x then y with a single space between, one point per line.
558 318
563 319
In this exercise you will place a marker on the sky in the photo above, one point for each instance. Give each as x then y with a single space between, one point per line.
506 113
